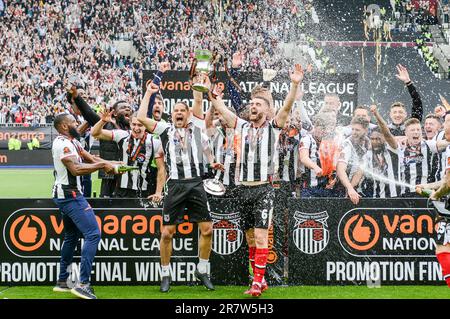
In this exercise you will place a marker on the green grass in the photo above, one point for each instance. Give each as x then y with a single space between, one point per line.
32 183
234 292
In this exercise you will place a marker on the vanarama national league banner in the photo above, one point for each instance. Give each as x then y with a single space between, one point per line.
312 242
376 242
175 87
128 253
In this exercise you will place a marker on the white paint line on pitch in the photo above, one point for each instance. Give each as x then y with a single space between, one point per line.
1 291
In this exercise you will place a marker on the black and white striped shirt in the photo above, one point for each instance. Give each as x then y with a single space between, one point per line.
416 164
136 152
66 185
288 157
224 145
353 155
308 142
438 160
446 155
386 165
258 155
184 148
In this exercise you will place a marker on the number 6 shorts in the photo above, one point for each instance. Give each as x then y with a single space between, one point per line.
256 206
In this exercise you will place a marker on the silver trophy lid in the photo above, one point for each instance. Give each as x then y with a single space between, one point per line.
214 187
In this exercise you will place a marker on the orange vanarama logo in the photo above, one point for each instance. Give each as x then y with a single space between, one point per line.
272 257
28 232
361 232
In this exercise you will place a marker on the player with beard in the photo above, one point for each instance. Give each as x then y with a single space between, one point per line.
185 146
384 160
350 159
360 111
71 161
257 166
441 189
138 148
121 112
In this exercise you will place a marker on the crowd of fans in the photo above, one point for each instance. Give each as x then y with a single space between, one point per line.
44 42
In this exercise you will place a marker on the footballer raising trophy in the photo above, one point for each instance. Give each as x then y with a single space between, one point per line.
202 64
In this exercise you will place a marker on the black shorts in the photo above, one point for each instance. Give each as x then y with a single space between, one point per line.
257 206
107 187
442 230
185 197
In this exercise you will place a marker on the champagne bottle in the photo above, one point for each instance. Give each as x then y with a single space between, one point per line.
426 192
124 168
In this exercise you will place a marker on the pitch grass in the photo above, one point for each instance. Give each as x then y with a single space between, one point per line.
32 183
236 292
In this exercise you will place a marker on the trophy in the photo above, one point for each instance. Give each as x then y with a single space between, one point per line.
214 187
203 65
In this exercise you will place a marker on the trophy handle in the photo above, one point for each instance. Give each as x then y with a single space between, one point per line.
192 70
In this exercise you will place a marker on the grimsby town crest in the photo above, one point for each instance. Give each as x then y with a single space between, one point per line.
311 234
227 233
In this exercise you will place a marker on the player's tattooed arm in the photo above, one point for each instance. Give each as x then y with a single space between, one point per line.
76 168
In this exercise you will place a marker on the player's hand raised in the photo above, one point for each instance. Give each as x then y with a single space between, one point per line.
164 66
238 59
152 88
106 116
403 74
297 74
373 109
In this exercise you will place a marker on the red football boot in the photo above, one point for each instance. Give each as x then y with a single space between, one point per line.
254 291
